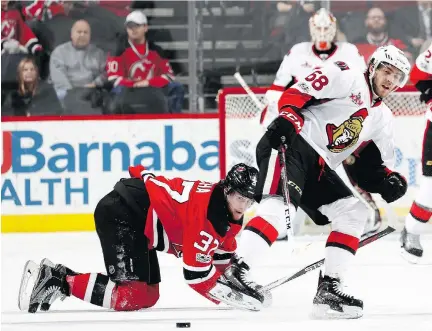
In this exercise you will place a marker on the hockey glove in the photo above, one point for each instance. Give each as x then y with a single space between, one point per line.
288 125
393 187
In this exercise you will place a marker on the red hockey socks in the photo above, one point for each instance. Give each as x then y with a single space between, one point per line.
99 290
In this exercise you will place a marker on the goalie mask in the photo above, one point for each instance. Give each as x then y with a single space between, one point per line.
393 61
322 27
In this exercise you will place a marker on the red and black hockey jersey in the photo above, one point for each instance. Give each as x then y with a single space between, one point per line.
190 220
138 62
13 27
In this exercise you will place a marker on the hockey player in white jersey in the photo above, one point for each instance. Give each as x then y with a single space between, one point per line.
304 57
418 219
324 118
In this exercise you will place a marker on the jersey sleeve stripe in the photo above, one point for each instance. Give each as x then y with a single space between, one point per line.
196 269
217 258
275 87
192 277
155 232
166 241
223 251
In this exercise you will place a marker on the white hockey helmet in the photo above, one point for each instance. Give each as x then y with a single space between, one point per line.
390 55
322 27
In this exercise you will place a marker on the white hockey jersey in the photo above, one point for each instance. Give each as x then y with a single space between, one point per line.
298 63
339 113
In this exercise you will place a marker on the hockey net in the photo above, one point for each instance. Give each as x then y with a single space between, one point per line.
240 132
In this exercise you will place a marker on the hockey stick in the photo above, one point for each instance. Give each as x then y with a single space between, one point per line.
319 263
285 187
249 92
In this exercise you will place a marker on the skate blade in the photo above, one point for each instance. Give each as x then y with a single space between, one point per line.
409 257
324 312
235 299
28 279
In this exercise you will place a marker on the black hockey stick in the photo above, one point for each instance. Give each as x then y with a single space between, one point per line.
285 183
319 263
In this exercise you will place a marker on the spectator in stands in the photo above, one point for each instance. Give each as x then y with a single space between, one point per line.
413 24
137 63
16 36
289 25
377 35
32 97
17 42
77 68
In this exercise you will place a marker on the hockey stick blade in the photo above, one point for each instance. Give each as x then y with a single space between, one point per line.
319 263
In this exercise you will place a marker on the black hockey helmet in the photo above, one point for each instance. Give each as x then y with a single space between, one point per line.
242 179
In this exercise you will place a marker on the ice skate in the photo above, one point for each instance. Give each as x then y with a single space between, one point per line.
50 285
28 279
331 302
411 248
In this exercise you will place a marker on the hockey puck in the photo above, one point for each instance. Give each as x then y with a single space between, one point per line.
183 325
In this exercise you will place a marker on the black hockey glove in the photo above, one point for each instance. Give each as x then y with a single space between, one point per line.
424 86
288 124
393 187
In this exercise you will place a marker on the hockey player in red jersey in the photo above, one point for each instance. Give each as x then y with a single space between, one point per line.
16 36
196 221
418 219
324 118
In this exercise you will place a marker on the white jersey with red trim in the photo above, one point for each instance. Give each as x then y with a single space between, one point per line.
339 114
298 63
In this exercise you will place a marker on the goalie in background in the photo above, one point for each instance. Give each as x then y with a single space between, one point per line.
296 65
196 221
418 219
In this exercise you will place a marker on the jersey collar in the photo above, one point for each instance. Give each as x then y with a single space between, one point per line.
377 101
330 52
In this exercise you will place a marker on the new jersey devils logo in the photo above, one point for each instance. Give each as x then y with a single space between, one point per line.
347 134
141 69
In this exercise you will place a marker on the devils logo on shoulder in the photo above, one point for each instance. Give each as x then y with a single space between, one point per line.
347 134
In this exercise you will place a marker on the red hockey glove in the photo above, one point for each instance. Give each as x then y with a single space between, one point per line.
135 171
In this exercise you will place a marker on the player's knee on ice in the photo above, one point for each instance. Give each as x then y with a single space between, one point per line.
134 295
347 216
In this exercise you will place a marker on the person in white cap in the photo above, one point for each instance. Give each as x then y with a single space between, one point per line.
139 63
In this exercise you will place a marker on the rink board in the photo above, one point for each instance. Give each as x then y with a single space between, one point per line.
55 171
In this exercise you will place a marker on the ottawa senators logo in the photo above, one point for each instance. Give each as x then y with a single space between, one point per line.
347 134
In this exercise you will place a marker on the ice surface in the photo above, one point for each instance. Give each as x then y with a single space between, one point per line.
397 295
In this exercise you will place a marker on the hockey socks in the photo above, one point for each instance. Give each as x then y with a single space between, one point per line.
417 220
99 290
340 250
